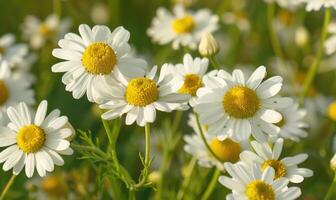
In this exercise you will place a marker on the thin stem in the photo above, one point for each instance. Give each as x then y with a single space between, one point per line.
212 185
131 195
214 61
273 36
187 179
314 67
147 138
8 185
204 139
331 189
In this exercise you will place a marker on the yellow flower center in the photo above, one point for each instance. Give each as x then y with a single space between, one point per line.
332 111
278 166
259 190
141 92
45 31
192 83
30 138
54 186
99 58
226 150
241 102
183 25
3 92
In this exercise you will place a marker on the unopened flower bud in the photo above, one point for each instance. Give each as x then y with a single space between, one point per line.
333 163
208 45
301 36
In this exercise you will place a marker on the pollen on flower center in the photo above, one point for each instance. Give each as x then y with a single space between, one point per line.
30 138
99 58
278 166
259 190
3 92
227 150
192 83
45 31
54 186
241 102
183 25
141 92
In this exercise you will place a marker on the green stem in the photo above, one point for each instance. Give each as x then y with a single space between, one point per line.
273 36
147 138
187 179
204 139
212 185
314 67
131 195
331 189
8 185
214 61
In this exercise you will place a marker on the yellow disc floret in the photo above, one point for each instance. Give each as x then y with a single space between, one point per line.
141 92
332 111
278 166
54 186
183 25
30 138
3 92
45 30
99 58
259 190
192 82
241 102
227 150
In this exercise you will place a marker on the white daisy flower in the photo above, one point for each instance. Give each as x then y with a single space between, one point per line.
93 56
315 5
288 4
252 183
141 96
226 150
39 32
14 90
182 27
11 52
34 140
235 107
293 123
188 76
287 167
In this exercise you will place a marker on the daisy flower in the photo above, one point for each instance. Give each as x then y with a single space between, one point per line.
226 150
13 90
182 27
288 4
93 56
39 32
292 124
188 76
235 107
11 52
287 167
34 140
315 5
141 96
252 183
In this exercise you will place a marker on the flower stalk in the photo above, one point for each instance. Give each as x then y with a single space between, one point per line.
7 187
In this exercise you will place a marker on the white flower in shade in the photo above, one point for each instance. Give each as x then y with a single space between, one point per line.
292 124
188 76
94 56
34 140
39 32
14 90
315 5
288 4
11 52
225 151
100 13
253 183
235 107
330 43
287 167
182 27
141 96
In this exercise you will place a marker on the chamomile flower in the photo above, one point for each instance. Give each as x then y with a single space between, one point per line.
293 123
94 56
315 5
226 150
141 96
252 183
182 27
235 107
13 90
11 52
188 76
34 140
287 167
38 32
